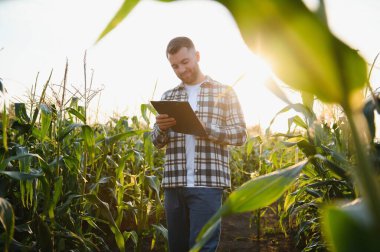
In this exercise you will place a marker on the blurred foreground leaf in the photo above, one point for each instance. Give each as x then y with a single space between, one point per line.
350 228
252 195
300 48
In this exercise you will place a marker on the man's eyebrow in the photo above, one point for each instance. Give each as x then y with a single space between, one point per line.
182 61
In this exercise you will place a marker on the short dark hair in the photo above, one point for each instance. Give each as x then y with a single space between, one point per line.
177 43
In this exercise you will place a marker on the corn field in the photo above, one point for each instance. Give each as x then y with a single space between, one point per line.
70 185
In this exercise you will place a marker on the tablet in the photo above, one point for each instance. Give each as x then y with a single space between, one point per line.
181 111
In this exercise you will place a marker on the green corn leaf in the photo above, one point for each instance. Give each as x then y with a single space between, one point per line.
43 234
26 189
102 180
249 146
65 206
105 211
123 11
293 141
22 128
350 228
7 219
296 107
289 201
300 48
85 244
127 6
144 110
298 121
21 114
148 149
131 234
4 125
42 97
23 176
161 230
154 183
308 100
109 141
2 89
252 195
78 114
74 102
68 129
88 136
276 90
57 193
336 169
46 189
303 144
46 118
17 157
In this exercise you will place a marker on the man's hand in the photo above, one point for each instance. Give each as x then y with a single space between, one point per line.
164 122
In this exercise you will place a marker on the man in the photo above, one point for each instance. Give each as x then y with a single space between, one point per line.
196 168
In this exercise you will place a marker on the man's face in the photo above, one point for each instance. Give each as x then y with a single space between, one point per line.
185 65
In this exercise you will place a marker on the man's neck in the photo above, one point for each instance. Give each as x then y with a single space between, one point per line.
201 77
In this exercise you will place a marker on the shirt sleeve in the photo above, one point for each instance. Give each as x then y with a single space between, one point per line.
234 132
159 137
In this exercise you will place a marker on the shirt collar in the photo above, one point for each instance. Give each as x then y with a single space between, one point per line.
207 82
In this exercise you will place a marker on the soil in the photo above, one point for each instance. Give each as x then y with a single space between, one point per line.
239 233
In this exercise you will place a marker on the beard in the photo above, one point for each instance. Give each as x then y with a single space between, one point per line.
189 77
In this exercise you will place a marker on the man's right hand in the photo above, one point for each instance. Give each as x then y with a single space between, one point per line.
164 122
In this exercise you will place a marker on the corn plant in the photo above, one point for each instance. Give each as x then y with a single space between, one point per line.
68 185
305 55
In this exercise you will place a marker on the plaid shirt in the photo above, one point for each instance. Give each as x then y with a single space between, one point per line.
219 109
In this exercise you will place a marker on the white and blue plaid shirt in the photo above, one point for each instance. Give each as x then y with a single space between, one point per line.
219 109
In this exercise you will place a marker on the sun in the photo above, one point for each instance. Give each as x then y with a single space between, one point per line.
258 103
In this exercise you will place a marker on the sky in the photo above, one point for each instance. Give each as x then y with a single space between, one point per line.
130 65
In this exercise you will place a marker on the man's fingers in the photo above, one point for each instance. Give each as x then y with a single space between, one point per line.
167 124
167 120
164 121
162 116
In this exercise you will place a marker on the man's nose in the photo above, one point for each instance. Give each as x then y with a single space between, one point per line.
181 69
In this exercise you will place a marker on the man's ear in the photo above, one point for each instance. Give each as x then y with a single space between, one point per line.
197 55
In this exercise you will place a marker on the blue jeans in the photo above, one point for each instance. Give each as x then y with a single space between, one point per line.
187 210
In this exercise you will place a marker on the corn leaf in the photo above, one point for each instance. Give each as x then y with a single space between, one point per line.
89 140
127 7
21 114
4 125
67 130
297 121
23 176
78 114
46 117
105 211
7 219
252 195
300 48
57 193
44 235
350 228
148 149
17 157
